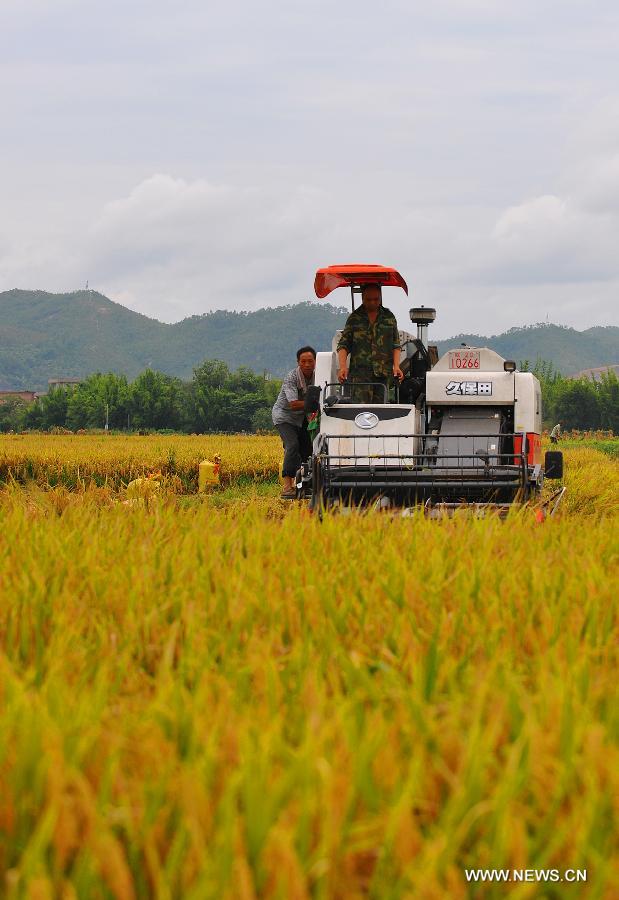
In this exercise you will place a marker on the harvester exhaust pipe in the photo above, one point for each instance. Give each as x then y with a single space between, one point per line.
422 316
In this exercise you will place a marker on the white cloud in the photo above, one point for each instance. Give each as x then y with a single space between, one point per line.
203 246
540 240
558 239
599 192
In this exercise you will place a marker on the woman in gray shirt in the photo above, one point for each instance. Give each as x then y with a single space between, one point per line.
289 417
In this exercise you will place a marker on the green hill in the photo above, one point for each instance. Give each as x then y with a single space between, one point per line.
46 336
566 348
60 335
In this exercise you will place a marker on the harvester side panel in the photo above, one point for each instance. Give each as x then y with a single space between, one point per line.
528 400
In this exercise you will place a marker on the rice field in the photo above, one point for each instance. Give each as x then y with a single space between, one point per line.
223 697
78 461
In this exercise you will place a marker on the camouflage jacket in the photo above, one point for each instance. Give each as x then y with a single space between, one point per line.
370 346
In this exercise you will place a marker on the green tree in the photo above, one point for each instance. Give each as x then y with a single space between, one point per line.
33 417
97 399
157 401
222 400
244 381
608 399
13 415
212 399
53 408
576 404
249 398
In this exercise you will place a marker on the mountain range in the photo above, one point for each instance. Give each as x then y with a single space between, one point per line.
44 335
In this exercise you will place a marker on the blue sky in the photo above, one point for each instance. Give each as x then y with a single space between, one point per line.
189 157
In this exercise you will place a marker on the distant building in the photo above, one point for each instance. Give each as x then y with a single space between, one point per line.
66 383
596 373
26 396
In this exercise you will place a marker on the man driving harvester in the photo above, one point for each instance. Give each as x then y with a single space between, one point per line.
371 338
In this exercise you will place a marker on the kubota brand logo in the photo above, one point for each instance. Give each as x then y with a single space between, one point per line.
469 388
366 420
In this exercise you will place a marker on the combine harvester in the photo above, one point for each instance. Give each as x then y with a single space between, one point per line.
462 430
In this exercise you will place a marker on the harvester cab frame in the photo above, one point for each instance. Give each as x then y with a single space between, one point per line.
460 430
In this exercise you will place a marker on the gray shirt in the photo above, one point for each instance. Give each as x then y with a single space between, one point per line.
290 390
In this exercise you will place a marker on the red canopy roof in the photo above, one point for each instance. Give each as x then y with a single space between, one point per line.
332 277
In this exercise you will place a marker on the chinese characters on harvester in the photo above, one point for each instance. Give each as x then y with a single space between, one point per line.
469 388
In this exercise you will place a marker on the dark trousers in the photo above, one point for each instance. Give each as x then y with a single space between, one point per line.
297 447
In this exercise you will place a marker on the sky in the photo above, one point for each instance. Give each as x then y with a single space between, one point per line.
206 155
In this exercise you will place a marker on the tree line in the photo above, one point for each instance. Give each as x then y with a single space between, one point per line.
218 399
